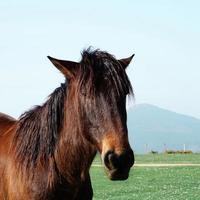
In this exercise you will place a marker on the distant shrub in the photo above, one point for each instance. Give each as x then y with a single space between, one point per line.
186 152
153 152
169 152
178 152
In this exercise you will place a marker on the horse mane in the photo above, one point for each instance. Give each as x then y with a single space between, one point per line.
38 131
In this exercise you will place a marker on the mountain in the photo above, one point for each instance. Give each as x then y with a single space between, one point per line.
154 128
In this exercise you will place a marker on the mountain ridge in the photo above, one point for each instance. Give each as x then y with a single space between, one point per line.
159 128
164 109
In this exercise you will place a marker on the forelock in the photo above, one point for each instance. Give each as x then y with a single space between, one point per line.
99 69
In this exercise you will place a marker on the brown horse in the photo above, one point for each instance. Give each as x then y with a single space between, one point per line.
47 153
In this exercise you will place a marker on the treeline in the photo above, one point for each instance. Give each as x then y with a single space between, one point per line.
173 152
178 152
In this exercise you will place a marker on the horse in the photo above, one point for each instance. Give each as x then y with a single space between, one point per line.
46 154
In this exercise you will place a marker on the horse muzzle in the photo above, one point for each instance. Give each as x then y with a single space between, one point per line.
118 166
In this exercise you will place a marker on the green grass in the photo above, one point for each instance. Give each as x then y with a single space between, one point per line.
162 158
168 158
151 183
178 183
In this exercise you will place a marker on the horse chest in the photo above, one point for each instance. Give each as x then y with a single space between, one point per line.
62 191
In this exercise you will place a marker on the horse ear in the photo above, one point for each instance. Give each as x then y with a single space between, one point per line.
126 61
68 68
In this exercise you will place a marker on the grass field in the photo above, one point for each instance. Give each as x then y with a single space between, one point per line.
168 158
151 183
162 158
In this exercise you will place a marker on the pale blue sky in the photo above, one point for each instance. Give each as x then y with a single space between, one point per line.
164 35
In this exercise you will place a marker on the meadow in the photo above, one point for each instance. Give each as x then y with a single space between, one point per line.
151 183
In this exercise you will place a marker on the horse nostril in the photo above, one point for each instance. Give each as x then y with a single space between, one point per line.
111 160
131 157
127 159
114 161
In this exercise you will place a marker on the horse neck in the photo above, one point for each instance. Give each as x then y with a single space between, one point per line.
74 154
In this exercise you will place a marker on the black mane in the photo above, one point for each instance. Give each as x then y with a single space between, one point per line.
38 130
